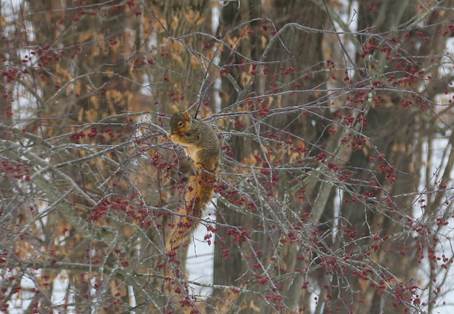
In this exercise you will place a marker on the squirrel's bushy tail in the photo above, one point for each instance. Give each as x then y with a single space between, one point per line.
198 194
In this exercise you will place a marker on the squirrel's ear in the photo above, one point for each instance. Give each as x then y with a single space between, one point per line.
186 116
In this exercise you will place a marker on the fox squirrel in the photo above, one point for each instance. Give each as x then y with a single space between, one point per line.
201 144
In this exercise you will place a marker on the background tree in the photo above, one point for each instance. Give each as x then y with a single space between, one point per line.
335 118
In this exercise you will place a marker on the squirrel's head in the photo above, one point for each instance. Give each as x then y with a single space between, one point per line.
180 122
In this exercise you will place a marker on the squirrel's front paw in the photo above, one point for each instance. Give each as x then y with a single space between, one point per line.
173 138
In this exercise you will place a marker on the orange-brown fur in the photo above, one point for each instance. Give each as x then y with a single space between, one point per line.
200 142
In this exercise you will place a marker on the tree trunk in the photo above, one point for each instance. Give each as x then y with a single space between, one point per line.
279 59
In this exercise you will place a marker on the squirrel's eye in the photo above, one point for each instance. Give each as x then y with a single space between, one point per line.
180 124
